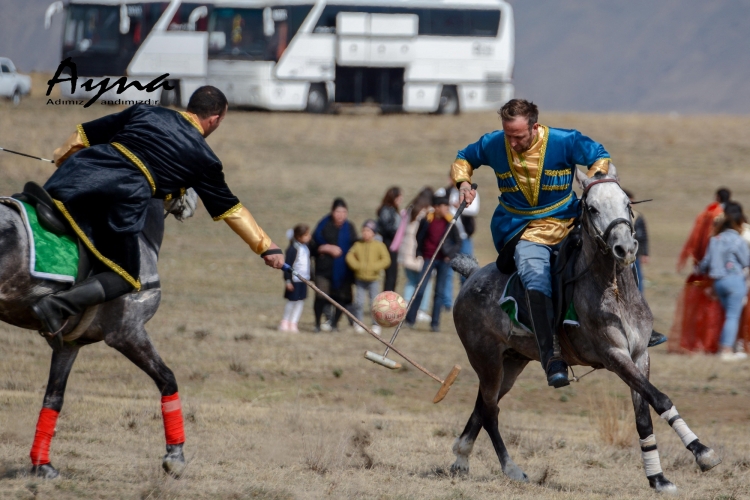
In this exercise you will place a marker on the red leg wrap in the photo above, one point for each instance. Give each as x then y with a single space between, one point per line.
45 429
171 410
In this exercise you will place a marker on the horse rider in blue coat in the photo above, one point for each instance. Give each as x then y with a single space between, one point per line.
534 165
108 172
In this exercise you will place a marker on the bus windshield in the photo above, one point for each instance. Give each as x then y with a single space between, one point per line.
254 34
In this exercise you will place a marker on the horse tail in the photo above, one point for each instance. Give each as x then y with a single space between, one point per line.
464 264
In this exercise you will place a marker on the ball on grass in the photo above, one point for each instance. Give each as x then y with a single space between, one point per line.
388 309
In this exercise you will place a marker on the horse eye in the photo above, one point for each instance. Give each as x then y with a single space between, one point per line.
593 211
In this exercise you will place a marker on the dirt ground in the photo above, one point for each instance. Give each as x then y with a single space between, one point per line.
273 415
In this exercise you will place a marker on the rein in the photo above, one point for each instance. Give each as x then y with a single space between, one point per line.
598 236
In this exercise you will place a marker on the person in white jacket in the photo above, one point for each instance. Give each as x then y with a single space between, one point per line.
407 253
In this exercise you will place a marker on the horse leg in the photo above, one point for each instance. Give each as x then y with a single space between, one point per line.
623 365
485 415
137 347
63 358
649 452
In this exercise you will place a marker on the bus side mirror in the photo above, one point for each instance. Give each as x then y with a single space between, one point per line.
124 19
53 9
198 13
269 27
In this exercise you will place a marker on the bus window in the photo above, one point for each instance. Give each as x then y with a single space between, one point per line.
243 34
92 27
484 22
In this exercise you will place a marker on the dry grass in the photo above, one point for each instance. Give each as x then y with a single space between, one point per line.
276 415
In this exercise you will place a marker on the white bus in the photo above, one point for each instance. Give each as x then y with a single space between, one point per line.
412 55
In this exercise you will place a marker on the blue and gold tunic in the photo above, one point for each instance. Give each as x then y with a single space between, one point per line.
536 187
112 167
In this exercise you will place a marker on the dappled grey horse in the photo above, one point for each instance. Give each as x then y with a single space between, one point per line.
615 326
120 323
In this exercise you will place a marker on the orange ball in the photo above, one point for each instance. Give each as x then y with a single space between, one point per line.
388 309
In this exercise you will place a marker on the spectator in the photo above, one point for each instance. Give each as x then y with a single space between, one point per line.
407 253
429 234
466 225
367 258
698 316
641 236
726 258
333 237
389 220
298 256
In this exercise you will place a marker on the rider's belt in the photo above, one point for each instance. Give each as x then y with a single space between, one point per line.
537 210
137 162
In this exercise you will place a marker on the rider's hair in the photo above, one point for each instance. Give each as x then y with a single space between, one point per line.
733 217
207 101
519 107
723 195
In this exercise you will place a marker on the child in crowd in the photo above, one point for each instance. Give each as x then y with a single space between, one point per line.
298 256
367 258
727 256
429 234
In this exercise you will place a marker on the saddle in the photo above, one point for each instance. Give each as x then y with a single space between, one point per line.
562 267
51 219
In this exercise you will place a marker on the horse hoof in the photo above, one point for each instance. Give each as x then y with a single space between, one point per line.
174 461
44 471
707 460
661 484
460 470
515 473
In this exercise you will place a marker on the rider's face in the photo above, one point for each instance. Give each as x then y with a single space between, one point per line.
520 136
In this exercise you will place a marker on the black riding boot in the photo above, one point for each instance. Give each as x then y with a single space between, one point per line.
543 318
54 309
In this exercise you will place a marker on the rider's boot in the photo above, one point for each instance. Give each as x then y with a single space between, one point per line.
542 314
53 310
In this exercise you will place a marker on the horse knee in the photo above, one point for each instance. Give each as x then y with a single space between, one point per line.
168 383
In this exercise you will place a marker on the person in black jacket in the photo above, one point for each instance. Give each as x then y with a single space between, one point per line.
430 232
333 237
298 256
641 236
388 221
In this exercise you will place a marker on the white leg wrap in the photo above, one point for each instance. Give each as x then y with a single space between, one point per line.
651 461
679 426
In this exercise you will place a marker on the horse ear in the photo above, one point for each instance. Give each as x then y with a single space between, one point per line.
612 171
582 178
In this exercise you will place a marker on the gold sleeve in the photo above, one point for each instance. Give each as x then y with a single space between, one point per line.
600 165
73 144
242 222
461 171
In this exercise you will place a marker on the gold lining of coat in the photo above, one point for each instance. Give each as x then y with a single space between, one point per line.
561 187
85 239
532 198
82 133
556 173
229 212
506 175
461 171
138 163
190 117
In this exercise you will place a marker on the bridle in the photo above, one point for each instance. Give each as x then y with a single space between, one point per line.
598 236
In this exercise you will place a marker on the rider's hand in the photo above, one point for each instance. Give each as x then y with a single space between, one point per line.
275 261
466 193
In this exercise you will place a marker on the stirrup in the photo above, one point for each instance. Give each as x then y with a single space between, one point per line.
559 376
656 338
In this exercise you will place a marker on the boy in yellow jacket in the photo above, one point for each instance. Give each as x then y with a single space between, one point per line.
367 258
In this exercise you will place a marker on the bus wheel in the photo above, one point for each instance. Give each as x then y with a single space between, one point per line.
448 101
171 97
317 99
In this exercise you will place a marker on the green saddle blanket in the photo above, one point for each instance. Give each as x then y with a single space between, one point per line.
511 307
51 257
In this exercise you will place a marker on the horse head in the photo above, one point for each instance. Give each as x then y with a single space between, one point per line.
607 216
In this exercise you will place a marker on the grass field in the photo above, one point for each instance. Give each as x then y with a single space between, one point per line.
273 415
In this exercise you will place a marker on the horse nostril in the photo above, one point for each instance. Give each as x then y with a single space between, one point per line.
619 251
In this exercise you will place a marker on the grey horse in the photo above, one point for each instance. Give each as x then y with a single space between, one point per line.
615 325
120 323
